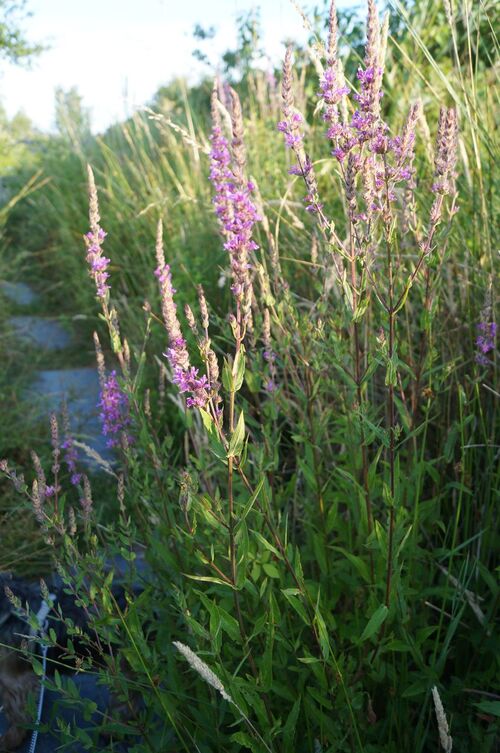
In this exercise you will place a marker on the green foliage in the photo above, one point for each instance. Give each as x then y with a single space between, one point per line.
326 620
14 46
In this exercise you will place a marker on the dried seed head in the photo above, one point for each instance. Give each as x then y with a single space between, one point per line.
446 151
238 144
40 475
266 329
202 669
286 83
120 491
332 35
350 181
213 367
37 501
72 522
147 404
160 256
54 431
94 217
86 499
314 250
444 732
126 353
190 318
101 365
372 48
203 307
214 105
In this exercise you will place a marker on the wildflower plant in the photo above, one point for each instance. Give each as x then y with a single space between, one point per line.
308 553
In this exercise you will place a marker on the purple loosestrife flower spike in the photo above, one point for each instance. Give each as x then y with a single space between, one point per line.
98 263
234 208
114 414
177 353
56 450
269 355
290 126
446 151
332 85
185 376
86 499
487 330
70 454
485 341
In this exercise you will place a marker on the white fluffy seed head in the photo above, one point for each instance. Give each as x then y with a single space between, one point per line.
444 732
202 669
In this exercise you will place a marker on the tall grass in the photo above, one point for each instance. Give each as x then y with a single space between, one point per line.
326 546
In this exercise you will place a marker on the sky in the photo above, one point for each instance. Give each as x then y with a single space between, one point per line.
119 52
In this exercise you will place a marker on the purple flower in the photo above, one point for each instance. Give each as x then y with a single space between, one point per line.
114 413
446 151
70 456
234 208
94 240
97 262
485 341
184 375
330 89
199 387
270 386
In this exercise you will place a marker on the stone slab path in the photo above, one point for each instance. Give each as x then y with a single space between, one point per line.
18 292
41 332
77 388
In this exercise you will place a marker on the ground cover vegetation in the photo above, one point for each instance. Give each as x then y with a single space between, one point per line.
292 292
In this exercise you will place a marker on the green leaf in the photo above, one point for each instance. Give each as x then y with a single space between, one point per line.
208 421
266 544
378 617
361 309
420 687
290 727
391 377
239 369
227 376
208 579
489 707
290 596
270 570
398 645
249 504
308 659
356 561
211 429
236 442
37 666
324 641
242 738
267 659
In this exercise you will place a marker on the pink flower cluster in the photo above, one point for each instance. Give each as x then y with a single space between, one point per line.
485 341
97 262
185 376
114 413
291 129
235 210
71 459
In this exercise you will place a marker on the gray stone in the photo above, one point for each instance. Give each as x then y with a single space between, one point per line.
79 389
48 334
18 292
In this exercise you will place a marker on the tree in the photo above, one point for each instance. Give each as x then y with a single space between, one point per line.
14 46
72 117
